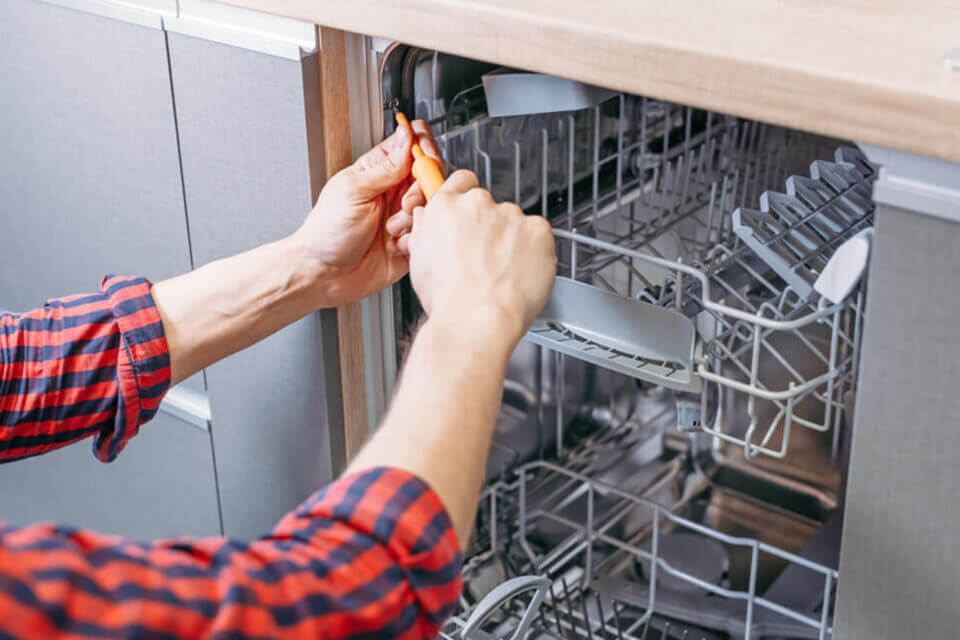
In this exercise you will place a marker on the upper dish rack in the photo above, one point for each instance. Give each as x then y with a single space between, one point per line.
667 275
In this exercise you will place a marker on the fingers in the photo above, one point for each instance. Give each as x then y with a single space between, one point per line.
399 224
482 199
403 244
413 198
384 166
402 221
388 164
424 134
460 182
418 214
397 144
542 231
404 241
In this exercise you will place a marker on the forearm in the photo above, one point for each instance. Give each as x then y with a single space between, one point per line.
442 419
342 252
230 304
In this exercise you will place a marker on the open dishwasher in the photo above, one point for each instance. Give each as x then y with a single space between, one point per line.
671 451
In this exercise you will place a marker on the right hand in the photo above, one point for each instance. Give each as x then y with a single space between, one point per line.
472 260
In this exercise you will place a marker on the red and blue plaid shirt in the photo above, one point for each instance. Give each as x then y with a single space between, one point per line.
373 555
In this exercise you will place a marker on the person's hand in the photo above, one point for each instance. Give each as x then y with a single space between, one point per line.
473 261
351 235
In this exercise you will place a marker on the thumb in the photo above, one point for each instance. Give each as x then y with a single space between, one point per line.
384 166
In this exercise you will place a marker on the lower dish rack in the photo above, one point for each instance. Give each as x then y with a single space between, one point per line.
605 562
665 273
629 534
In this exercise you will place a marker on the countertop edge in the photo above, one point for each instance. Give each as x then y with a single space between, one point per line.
824 102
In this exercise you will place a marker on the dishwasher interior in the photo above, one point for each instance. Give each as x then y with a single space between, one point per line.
670 454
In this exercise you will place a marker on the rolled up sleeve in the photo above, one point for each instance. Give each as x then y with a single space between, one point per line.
85 365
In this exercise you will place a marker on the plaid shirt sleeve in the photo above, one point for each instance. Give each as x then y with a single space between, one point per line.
79 366
370 556
373 555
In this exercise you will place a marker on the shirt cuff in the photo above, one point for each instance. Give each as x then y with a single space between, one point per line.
402 513
143 362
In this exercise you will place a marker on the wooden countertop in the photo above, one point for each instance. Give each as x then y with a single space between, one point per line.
866 70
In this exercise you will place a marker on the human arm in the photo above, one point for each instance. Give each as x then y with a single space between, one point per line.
345 250
374 554
483 272
99 364
370 556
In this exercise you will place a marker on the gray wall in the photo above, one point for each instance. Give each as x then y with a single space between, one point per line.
97 117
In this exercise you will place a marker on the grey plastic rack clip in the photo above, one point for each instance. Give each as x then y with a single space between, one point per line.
636 338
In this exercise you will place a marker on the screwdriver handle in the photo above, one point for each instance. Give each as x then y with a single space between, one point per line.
426 170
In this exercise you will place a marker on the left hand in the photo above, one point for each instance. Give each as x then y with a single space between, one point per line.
351 234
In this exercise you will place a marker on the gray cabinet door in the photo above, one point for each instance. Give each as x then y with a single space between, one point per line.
160 486
90 184
246 153
89 171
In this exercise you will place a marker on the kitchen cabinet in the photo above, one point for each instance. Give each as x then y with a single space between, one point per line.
90 184
150 138
89 172
256 140
162 485
245 145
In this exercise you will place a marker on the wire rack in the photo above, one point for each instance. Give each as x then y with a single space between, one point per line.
603 569
677 208
650 201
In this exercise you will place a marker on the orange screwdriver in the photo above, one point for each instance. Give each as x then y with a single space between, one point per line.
426 170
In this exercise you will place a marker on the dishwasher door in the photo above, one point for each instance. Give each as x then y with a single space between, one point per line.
673 463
